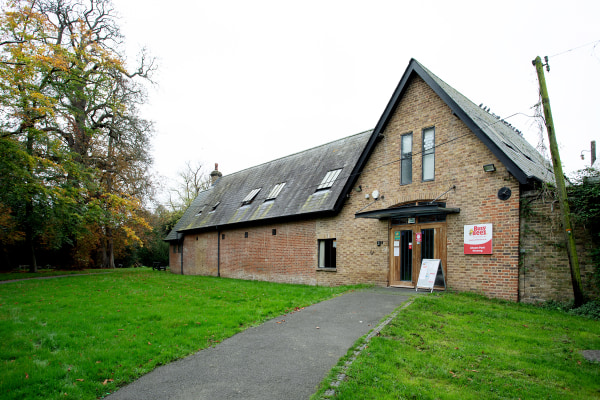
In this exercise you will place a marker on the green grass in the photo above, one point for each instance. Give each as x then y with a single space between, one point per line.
83 337
463 346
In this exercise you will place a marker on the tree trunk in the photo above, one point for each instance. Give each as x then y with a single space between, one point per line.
108 251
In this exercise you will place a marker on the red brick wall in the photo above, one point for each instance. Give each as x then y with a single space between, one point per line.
289 256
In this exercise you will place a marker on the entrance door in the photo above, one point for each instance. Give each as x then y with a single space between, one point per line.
412 243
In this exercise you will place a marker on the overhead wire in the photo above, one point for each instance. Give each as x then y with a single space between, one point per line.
595 42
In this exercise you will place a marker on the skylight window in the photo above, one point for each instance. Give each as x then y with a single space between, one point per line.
275 191
200 211
329 179
248 199
215 206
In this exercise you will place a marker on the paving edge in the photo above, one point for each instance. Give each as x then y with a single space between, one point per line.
375 332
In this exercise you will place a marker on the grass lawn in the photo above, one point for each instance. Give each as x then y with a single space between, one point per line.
83 337
463 346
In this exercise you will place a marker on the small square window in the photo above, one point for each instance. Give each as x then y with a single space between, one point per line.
327 253
274 232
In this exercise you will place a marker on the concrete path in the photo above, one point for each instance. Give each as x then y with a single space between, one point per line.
285 358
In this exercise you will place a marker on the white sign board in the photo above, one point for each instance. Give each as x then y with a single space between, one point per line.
430 269
478 239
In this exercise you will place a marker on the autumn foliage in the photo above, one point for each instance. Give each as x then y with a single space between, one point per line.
74 169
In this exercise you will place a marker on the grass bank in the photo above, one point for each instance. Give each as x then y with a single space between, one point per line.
83 337
463 346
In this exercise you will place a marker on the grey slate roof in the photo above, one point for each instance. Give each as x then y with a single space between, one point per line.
522 160
302 173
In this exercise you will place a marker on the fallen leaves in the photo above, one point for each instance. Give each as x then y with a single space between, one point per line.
107 380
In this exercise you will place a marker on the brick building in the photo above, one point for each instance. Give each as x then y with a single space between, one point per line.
434 172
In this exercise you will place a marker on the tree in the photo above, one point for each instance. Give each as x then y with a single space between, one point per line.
76 111
584 197
193 181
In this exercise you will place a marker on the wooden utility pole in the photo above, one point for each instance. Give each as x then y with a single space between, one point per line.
560 184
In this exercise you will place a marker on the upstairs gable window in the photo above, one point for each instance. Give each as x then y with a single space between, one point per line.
428 154
250 197
275 191
329 179
406 159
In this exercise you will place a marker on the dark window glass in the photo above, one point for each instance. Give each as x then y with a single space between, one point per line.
406 159
327 250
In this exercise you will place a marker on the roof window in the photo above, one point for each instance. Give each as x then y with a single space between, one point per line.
200 211
329 179
215 206
248 199
275 191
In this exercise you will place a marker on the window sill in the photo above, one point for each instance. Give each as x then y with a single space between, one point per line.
327 269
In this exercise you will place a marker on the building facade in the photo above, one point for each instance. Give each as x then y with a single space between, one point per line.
437 178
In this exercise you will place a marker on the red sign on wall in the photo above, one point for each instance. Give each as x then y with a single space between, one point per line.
478 239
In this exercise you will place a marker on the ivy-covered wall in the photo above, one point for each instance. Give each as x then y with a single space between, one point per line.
544 266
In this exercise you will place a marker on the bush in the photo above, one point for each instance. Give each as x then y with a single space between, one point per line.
591 309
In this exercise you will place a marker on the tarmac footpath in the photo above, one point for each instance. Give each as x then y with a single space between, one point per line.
284 358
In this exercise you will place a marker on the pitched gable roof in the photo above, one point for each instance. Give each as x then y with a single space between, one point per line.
521 159
244 196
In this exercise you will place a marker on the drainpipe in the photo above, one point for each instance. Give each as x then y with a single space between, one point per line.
218 253
180 245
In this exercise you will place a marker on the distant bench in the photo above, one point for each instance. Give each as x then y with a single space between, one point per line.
156 265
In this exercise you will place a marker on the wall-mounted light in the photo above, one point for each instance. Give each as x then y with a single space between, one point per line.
489 167
379 243
375 194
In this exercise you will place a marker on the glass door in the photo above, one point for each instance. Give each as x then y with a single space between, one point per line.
412 244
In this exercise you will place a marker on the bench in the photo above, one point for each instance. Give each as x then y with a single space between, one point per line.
156 265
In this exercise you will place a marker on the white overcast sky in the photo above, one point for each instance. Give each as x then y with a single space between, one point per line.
245 82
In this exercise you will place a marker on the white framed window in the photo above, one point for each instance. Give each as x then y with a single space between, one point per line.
250 197
329 179
428 154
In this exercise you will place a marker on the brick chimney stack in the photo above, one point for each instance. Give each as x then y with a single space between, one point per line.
215 175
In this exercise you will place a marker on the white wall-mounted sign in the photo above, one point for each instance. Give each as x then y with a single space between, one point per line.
478 239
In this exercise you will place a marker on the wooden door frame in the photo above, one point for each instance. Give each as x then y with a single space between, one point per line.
440 250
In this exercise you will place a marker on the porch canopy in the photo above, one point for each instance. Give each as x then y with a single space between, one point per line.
408 211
